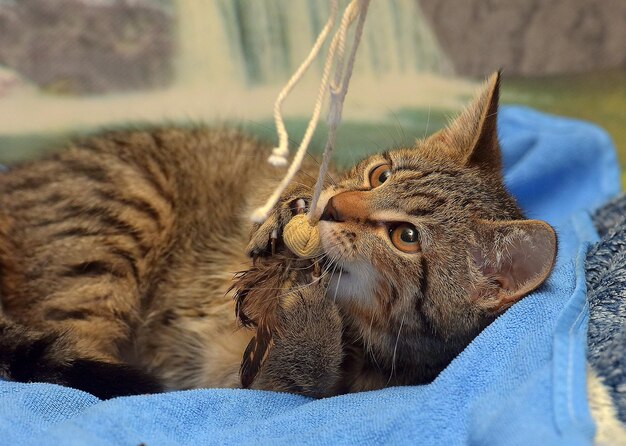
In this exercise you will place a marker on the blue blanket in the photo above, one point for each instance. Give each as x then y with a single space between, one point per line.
522 381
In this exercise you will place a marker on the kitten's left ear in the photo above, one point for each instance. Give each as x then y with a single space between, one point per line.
513 258
472 137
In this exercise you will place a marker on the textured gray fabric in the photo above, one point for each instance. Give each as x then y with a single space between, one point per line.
611 215
606 293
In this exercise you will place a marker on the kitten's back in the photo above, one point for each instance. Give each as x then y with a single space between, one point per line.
92 238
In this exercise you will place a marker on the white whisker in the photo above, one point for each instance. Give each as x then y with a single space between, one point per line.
368 344
337 287
395 349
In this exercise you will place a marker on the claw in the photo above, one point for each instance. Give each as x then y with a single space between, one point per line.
273 238
298 206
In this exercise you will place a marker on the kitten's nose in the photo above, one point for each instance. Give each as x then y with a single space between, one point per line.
346 206
330 212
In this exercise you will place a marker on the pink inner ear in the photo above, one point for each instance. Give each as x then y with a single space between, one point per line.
525 262
519 257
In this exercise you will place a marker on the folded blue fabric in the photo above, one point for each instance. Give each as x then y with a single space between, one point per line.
522 381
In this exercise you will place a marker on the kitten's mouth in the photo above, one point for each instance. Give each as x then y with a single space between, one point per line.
342 270
339 278
352 284
334 268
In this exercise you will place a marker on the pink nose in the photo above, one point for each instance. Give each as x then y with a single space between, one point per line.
346 206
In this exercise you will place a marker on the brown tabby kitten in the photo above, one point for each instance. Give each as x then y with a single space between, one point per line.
426 247
117 256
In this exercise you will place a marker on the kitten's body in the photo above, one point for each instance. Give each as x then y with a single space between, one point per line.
130 241
121 251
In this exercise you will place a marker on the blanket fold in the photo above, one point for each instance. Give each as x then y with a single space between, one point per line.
521 381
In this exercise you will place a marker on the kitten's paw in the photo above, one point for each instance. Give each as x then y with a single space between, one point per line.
267 237
307 351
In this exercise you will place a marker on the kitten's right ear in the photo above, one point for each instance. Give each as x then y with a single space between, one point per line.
513 258
471 138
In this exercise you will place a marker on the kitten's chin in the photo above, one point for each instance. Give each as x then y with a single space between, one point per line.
351 279
352 283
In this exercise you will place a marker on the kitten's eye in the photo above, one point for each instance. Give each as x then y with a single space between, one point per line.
405 238
379 175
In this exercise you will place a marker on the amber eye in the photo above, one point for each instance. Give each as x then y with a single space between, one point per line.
405 237
379 175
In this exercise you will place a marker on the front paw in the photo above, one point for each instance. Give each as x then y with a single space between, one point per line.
307 351
266 237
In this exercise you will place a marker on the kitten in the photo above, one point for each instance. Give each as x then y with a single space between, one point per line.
117 255
427 248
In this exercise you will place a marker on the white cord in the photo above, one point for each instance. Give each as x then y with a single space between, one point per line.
338 91
337 47
280 153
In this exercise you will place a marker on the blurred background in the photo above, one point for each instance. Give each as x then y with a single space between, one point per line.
73 66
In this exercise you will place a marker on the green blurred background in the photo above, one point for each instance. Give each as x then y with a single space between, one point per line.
71 67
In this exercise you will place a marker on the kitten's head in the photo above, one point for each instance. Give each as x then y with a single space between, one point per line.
428 246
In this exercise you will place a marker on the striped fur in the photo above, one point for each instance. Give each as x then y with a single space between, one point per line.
125 244
407 315
117 258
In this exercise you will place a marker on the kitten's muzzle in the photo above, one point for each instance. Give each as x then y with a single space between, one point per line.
346 206
330 212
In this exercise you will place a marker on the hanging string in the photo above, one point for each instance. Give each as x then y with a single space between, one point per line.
338 92
301 234
280 153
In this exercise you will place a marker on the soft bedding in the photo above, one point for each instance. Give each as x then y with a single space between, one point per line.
520 382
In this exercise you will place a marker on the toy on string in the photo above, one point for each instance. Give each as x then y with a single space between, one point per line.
301 235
